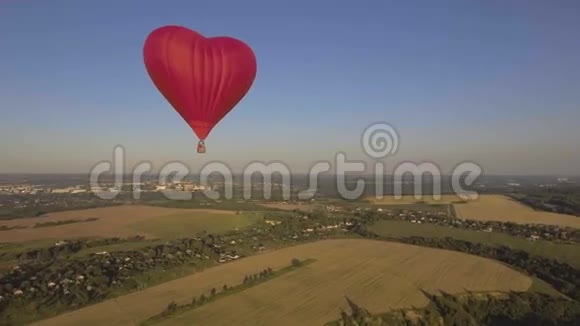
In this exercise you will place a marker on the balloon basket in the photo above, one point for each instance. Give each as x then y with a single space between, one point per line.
201 147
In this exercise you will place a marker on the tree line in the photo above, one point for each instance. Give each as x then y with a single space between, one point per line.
514 308
63 222
174 308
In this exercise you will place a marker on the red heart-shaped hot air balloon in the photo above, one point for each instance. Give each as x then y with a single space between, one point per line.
202 78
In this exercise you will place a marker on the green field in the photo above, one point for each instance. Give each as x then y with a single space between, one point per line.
121 246
567 253
13 247
188 224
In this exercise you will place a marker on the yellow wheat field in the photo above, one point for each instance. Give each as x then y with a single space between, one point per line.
488 208
378 275
409 199
502 208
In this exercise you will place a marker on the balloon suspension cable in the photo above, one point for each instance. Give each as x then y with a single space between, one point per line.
201 147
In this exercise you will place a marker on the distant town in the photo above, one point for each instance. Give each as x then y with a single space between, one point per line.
33 195
74 184
33 189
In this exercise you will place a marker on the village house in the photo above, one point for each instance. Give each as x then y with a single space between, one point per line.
533 237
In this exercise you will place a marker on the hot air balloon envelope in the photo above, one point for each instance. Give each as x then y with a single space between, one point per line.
202 78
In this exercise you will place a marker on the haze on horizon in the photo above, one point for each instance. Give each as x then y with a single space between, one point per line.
493 82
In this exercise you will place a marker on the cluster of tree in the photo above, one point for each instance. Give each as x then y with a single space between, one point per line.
523 308
63 222
34 205
553 204
564 199
174 307
203 299
359 316
8 228
258 276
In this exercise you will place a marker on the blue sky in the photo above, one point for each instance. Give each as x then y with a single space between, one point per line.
496 82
